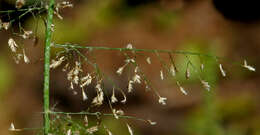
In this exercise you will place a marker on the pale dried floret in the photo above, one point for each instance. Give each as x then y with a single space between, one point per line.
25 58
222 70
124 100
130 61
64 4
19 3
71 86
56 12
17 58
148 60
129 46
76 79
136 78
119 112
52 27
172 70
120 70
12 45
26 34
129 129
202 66
136 69
248 66
55 64
109 132
130 86
68 132
98 100
113 97
182 89
114 113
152 122
70 74
205 85
93 129
162 100
12 128
6 25
161 74
86 80
84 95
98 87
86 120
187 73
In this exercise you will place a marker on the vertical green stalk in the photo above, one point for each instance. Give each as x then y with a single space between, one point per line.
47 51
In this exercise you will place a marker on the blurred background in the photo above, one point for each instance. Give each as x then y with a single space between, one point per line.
227 29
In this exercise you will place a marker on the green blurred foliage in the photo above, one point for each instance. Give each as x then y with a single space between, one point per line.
6 78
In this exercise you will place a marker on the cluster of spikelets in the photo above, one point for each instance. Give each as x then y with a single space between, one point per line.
18 51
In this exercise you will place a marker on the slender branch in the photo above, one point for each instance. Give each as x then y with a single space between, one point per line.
98 113
136 50
47 54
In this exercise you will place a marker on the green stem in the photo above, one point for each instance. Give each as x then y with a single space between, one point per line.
47 51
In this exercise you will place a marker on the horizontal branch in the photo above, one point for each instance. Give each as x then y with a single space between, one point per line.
98 114
134 49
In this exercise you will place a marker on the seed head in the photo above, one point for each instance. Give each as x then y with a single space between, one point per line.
12 45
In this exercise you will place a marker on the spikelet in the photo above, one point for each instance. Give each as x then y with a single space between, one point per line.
129 129
148 60
250 68
19 3
162 100
12 45
222 70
